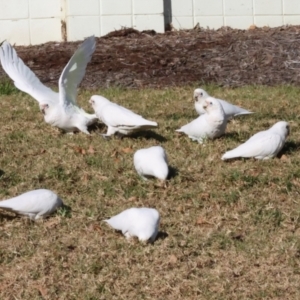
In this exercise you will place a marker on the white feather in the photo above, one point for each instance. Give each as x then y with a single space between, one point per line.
137 222
118 118
60 109
210 125
230 110
74 71
151 162
262 145
34 204
24 79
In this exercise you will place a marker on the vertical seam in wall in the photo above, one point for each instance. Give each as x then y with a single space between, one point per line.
223 4
63 20
193 11
282 12
100 17
132 13
29 21
253 12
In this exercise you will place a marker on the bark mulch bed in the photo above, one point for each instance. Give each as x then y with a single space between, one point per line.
226 57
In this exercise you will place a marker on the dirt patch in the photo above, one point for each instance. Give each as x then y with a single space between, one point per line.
129 58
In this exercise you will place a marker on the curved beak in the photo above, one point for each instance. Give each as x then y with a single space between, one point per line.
205 104
42 108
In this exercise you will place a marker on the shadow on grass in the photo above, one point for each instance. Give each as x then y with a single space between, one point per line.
148 135
1 173
4 216
96 127
172 172
161 235
289 147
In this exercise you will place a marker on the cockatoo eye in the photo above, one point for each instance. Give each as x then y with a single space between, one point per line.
210 103
201 94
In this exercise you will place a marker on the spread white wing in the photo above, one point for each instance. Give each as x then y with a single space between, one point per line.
24 79
74 71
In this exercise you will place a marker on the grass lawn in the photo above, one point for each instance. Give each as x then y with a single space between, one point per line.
229 230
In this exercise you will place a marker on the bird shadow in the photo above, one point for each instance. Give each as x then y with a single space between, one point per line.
1 173
4 216
96 127
172 172
289 147
148 135
161 235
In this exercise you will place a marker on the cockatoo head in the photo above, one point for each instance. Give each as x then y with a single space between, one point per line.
211 105
44 108
281 127
98 102
200 95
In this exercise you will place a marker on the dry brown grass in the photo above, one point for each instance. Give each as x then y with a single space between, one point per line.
230 230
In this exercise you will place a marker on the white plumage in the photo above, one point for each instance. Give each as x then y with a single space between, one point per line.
151 162
262 145
142 223
211 125
230 110
117 118
33 204
59 109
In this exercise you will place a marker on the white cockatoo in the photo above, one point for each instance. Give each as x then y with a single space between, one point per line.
230 110
262 145
59 109
151 162
210 125
117 118
33 204
142 223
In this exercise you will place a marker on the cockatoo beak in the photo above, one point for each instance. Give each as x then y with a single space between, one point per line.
205 105
42 108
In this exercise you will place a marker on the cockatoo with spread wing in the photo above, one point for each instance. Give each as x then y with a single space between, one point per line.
59 109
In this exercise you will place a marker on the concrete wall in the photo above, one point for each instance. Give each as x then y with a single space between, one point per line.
99 17
25 22
234 13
